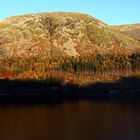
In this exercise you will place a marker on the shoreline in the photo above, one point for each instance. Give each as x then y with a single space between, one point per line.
125 90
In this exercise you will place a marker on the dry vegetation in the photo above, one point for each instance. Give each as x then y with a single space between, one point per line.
67 34
71 47
80 70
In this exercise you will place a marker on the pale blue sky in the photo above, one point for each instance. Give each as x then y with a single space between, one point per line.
113 12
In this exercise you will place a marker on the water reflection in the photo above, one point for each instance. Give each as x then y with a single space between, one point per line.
70 120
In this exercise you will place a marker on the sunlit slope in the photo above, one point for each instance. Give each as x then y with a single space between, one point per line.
67 34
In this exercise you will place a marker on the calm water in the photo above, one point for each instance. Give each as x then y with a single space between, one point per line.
79 120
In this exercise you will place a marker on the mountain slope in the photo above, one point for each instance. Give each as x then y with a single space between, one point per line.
67 34
133 30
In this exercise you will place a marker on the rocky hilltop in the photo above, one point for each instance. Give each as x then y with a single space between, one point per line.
67 34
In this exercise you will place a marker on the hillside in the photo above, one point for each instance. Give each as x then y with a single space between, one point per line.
65 34
133 30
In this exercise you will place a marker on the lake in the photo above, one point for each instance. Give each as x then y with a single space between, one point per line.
71 120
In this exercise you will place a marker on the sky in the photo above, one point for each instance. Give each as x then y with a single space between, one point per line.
113 12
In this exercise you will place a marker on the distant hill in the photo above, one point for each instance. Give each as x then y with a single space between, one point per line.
133 30
60 33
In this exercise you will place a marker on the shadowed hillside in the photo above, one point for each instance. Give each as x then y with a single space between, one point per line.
132 30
